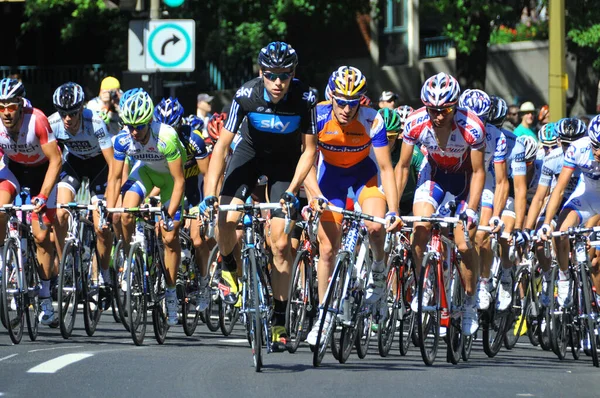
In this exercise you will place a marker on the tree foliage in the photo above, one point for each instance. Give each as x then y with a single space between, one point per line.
583 30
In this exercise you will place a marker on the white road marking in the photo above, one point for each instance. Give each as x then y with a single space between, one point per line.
525 395
56 348
54 365
234 341
8 357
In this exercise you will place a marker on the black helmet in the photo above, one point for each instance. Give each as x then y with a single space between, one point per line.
68 97
570 129
277 55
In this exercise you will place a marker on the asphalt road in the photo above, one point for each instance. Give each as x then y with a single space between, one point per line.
210 365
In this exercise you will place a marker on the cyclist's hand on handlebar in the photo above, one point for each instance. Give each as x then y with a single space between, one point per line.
521 237
39 202
544 232
470 218
208 203
289 199
497 224
394 222
319 203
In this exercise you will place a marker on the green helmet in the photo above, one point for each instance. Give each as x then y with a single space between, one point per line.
137 108
391 119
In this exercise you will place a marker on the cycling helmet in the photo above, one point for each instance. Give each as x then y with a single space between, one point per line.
11 88
137 108
476 101
195 122
277 55
215 124
570 129
169 111
68 97
531 147
594 131
440 91
392 120
365 101
127 94
547 135
404 111
498 111
543 113
348 81
327 93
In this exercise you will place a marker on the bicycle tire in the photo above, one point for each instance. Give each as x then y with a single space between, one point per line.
191 286
428 329
299 297
590 322
518 309
14 319
455 337
211 315
92 307
255 314
494 329
32 298
387 327
467 347
408 324
534 321
363 335
156 281
120 281
68 289
113 304
137 305
330 309
558 328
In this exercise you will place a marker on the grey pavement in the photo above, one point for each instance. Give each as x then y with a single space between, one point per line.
211 365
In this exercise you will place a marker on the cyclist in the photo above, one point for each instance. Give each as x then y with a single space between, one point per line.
548 138
159 158
348 133
455 142
279 142
33 160
496 187
582 154
169 111
90 151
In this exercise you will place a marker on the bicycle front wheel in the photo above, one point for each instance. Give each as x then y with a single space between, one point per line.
428 313
296 319
156 281
387 326
455 336
120 285
253 308
68 289
90 262
13 298
211 315
137 306
590 322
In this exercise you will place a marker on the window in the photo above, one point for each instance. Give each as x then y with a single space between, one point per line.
394 39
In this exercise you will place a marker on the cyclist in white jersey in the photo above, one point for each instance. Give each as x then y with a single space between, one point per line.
89 154
582 204
159 158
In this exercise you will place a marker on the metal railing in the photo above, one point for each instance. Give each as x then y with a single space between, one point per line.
432 47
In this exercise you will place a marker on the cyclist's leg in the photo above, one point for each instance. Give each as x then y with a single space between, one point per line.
134 191
103 236
67 189
483 243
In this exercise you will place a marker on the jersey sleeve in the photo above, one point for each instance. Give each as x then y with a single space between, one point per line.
517 165
501 150
236 111
121 144
101 133
42 128
169 144
196 140
378 133
412 130
571 157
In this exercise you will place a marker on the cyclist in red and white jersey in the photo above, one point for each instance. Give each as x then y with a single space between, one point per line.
33 160
454 139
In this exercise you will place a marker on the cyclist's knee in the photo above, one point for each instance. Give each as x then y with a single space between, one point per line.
420 236
281 246
481 238
127 220
62 216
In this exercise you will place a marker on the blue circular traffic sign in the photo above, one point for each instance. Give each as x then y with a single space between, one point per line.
186 53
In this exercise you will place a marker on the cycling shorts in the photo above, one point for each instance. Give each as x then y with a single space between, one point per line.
15 175
74 169
434 186
585 203
194 191
335 181
142 179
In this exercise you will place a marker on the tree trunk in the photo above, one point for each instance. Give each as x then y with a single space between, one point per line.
585 98
471 68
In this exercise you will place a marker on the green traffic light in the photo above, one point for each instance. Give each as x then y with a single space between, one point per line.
173 3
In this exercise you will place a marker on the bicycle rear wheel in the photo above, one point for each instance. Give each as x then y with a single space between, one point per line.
69 285
590 322
428 316
455 337
332 305
387 326
90 265
559 321
408 321
13 296
254 314
32 299
156 281
211 315
120 284
494 329
299 298
521 299
137 306
191 287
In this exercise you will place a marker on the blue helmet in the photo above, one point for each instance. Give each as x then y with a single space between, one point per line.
476 101
169 111
594 131
195 122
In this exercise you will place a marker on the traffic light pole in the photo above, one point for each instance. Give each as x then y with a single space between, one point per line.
557 77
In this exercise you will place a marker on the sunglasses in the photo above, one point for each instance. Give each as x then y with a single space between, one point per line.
342 103
274 76
138 127
440 111
70 113
10 107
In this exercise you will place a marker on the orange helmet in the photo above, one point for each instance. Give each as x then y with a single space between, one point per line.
365 101
215 124
544 111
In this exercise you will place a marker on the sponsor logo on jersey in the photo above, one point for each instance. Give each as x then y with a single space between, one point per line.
331 132
260 109
19 148
274 124
309 97
100 133
352 133
244 92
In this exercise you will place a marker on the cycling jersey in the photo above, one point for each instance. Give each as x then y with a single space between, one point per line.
467 133
195 149
273 129
162 147
495 153
516 156
579 155
348 145
34 132
89 141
